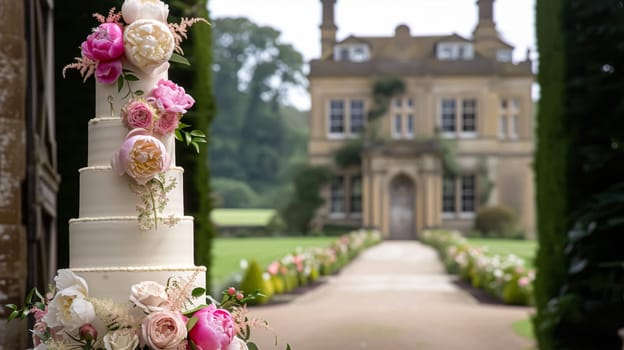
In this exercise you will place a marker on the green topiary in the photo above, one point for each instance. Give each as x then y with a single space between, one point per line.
253 281
278 284
496 221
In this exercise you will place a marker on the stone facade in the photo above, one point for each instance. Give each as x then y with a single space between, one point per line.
13 255
464 92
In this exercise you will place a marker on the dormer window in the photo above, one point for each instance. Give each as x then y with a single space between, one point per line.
352 52
504 55
455 51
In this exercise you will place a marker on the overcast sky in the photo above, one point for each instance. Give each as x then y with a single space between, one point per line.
299 21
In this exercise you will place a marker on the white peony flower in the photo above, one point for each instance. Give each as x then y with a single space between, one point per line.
148 295
121 339
69 308
237 344
133 10
148 44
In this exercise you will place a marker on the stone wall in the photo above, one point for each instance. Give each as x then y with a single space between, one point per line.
12 169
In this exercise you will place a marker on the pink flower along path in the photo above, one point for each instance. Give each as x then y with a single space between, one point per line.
394 296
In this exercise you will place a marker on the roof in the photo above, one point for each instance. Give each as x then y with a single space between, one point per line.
235 217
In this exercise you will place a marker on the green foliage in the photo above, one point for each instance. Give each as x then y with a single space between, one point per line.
578 166
496 221
306 198
197 78
255 138
383 91
253 280
233 193
350 154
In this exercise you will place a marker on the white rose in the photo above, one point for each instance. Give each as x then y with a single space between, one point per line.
121 339
69 308
148 44
133 10
148 295
237 344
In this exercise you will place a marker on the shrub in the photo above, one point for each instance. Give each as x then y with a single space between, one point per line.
254 280
496 221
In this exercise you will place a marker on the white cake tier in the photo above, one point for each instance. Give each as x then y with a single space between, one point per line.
146 83
105 193
115 282
117 241
105 138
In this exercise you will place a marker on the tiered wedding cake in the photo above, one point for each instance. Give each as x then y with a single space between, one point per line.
132 283
107 248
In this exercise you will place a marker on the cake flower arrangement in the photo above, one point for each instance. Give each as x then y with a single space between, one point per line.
155 318
140 38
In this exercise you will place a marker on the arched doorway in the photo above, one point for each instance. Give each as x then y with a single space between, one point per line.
402 201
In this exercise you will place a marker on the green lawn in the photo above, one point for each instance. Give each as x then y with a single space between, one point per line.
525 249
242 217
228 252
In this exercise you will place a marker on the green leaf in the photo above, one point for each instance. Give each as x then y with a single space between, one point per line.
11 306
191 323
182 126
139 92
196 146
198 133
39 295
197 139
187 138
252 346
288 347
193 346
120 83
194 310
131 77
179 59
29 296
13 315
198 292
178 135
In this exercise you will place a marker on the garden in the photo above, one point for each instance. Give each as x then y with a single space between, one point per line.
281 265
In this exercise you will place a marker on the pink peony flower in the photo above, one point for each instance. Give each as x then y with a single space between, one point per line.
105 43
108 72
273 269
141 156
214 329
163 330
170 97
167 123
138 114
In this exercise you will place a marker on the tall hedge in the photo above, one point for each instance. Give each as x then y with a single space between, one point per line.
197 78
579 177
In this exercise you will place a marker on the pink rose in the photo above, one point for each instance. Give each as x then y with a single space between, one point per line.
137 114
214 329
108 72
274 268
163 330
167 123
170 97
105 43
141 156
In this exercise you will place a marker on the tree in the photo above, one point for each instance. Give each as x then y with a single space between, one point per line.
251 139
580 191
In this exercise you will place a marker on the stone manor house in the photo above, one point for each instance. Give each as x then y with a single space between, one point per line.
464 92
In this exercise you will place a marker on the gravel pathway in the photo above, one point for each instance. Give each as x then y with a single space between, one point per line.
393 296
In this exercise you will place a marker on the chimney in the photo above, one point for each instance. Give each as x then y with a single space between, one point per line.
485 35
328 27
